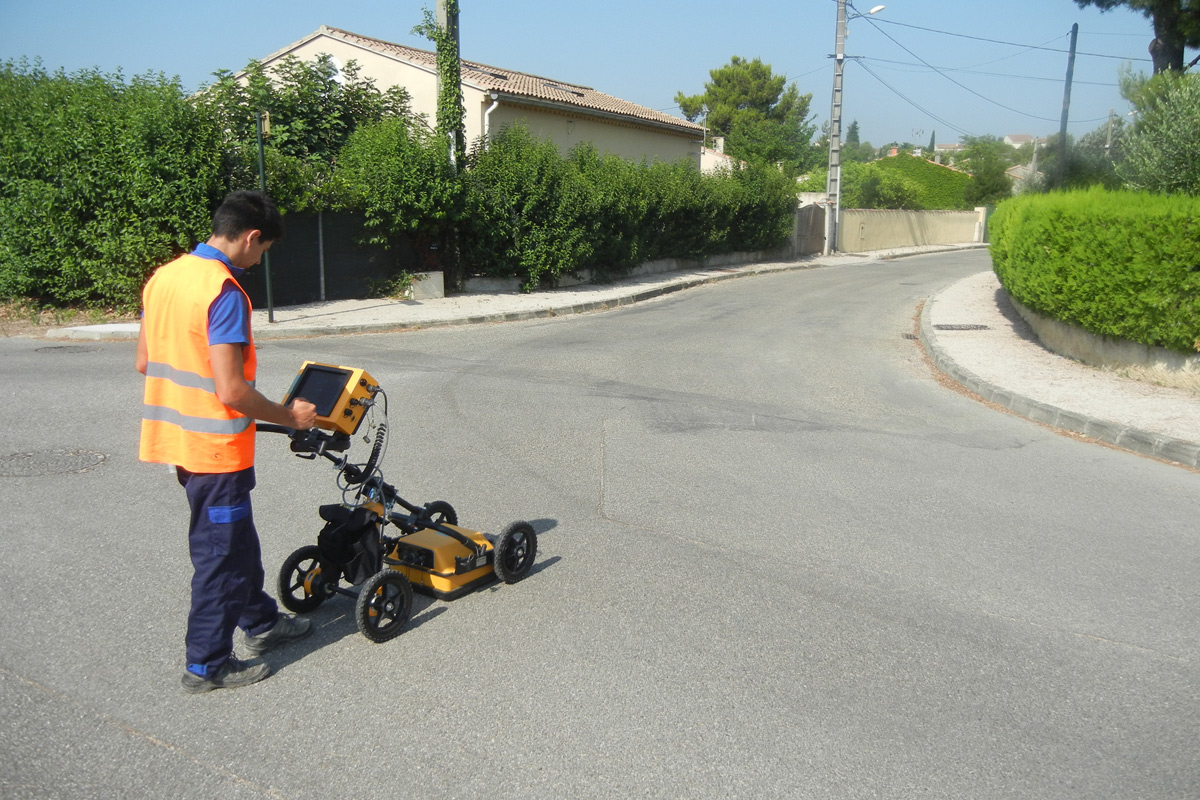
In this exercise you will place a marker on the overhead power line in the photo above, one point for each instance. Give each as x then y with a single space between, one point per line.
981 72
914 104
956 83
998 41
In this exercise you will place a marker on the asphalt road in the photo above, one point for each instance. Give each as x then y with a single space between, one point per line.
777 559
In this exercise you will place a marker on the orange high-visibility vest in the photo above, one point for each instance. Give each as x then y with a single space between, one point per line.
183 421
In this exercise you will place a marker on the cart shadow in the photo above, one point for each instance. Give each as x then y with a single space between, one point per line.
541 526
332 625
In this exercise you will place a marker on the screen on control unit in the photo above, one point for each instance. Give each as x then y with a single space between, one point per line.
322 386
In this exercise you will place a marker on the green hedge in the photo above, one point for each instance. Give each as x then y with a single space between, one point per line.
941 188
533 214
900 181
100 179
1121 264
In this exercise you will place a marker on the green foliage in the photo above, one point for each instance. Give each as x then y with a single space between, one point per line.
1123 264
854 176
852 135
400 180
523 210
853 149
887 189
936 187
764 119
1091 161
533 214
100 180
1161 153
1176 27
314 108
986 158
900 181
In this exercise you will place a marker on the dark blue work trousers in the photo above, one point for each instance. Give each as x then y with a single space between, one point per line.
227 582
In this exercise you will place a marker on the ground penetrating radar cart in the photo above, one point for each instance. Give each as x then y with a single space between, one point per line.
374 539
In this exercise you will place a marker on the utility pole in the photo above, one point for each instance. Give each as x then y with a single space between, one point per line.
1061 167
833 180
262 127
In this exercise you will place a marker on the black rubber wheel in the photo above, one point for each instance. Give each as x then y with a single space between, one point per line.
441 511
516 548
301 567
384 605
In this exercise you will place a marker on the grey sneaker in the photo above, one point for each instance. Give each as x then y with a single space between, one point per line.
234 673
287 629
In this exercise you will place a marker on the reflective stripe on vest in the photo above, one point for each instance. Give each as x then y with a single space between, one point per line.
195 424
184 422
181 377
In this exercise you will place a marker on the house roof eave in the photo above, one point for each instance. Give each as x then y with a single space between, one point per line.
584 111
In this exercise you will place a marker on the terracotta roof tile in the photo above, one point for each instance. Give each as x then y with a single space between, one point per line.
520 84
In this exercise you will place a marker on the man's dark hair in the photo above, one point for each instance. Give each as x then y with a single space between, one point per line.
247 211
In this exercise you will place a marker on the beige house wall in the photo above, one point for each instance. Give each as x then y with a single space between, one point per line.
566 128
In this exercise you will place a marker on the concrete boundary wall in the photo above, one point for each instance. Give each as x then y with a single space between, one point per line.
864 230
1143 362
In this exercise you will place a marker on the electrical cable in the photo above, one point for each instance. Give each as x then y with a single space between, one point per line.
914 104
381 442
874 21
956 83
355 490
971 71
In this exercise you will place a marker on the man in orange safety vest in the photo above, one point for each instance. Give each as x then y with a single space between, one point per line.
197 353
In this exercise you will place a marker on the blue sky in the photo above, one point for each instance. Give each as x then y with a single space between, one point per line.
987 78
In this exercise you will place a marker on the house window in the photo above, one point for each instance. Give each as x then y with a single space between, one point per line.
339 75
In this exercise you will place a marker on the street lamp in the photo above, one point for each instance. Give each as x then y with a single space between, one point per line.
833 180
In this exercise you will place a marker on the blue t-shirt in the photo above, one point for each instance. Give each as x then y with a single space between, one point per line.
228 316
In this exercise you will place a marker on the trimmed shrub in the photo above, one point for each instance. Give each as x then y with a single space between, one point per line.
401 182
938 188
1121 264
900 181
100 181
532 214
524 211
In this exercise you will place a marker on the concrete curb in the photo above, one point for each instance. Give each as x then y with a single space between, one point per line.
1136 440
129 331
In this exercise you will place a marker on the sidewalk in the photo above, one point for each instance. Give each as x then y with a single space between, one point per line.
975 337
380 315
971 333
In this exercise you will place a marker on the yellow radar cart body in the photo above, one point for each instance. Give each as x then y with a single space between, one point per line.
374 539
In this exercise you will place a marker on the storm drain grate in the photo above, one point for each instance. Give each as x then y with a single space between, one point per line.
49 462
961 327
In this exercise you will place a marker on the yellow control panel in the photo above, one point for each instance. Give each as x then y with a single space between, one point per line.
342 395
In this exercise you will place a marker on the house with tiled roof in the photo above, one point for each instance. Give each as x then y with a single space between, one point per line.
493 97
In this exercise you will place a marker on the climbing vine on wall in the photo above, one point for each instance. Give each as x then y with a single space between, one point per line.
450 111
